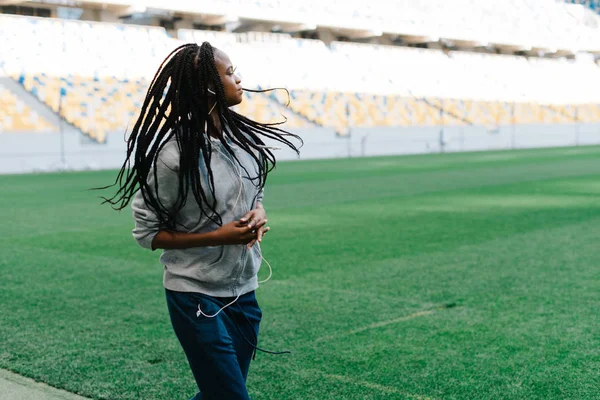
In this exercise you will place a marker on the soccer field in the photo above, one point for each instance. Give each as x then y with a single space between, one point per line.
453 276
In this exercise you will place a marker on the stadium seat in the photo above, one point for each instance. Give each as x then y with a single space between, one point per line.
15 116
96 106
266 110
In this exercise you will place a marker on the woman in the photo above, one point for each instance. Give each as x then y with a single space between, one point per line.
199 169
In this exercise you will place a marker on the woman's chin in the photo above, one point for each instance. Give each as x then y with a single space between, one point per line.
236 101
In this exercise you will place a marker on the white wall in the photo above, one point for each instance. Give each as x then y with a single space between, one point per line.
21 153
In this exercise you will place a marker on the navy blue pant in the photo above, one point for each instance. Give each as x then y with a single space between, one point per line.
218 349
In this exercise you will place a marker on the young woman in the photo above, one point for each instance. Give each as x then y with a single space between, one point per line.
195 170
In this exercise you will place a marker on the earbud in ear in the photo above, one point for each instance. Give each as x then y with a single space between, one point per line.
211 91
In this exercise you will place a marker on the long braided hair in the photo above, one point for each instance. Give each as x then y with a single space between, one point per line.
177 105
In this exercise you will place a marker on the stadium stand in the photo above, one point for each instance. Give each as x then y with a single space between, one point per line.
95 75
93 65
102 70
56 47
15 116
267 110
529 24
94 105
99 106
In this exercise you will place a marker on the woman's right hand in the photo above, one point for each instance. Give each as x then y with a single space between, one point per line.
236 232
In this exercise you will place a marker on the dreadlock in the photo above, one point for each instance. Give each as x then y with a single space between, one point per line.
177 105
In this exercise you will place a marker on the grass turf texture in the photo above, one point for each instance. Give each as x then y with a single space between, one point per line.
367 254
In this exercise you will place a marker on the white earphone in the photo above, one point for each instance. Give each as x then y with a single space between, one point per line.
211 110
240 194
262 146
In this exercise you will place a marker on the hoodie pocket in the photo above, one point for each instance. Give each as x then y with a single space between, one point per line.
220 264
211 255
209 258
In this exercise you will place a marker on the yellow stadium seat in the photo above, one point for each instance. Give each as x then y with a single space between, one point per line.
102 105
15 116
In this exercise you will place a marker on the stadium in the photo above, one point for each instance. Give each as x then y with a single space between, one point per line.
436 238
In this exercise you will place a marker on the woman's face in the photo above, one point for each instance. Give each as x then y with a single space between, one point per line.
231 81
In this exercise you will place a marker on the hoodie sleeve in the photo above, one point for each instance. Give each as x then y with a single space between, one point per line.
146 221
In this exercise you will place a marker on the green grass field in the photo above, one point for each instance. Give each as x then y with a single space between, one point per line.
457 276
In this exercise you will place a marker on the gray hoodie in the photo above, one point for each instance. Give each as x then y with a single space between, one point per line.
219 271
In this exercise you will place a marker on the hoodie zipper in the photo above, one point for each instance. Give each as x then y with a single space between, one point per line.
243 259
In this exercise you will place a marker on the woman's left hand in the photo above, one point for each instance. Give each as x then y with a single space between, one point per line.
256 219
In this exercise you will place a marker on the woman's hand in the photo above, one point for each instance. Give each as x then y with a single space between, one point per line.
235 232
256 220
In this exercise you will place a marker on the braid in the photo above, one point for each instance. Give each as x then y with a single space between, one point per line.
177 106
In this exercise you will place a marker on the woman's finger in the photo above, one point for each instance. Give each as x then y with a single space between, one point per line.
251 243
252 221
244 229
260 223
247 217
